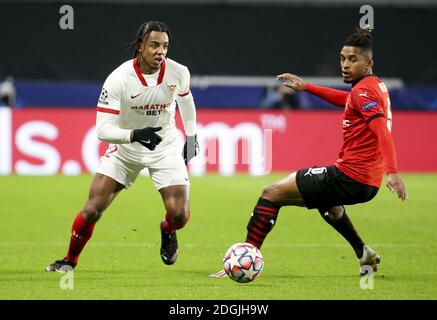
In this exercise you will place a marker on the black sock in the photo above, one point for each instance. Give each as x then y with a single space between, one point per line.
262 221
345 227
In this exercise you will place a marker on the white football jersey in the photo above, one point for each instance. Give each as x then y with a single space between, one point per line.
143 101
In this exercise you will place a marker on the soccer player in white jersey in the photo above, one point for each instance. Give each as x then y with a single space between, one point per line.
135 113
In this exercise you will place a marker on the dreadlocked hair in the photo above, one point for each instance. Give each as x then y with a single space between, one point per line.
144 30
362 38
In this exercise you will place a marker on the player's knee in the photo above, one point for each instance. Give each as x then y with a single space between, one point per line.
91 214
270 193
178 217
336 213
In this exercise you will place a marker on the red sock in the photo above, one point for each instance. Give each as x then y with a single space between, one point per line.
261 222
81 232
169 227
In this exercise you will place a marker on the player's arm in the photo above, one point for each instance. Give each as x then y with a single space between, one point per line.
187 110
108 111
394 181
108 129
107 119
333 96
369 104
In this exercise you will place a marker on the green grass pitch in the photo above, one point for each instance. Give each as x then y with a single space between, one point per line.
304 257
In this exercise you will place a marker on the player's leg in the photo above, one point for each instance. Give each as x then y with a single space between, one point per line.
282 193
176 203
170 176
114 173
176 200
340 221
102 191
336 190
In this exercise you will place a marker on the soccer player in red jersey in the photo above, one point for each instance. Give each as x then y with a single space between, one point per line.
367 153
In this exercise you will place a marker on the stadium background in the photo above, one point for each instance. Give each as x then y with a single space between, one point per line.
234 50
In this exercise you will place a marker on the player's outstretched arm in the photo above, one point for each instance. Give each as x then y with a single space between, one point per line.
292 81
333 96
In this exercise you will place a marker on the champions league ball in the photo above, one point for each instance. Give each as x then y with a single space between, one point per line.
243 262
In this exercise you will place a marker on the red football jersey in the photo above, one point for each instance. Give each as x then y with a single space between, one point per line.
361 156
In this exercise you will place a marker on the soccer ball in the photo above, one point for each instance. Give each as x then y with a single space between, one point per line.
243 262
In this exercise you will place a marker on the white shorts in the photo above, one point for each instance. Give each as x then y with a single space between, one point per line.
166 169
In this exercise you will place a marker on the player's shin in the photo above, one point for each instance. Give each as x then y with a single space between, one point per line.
262 221
80 234
341 222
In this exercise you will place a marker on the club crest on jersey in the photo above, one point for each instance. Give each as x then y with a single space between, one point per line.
369 105
171 88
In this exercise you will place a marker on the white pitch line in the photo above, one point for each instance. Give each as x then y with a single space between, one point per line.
200 245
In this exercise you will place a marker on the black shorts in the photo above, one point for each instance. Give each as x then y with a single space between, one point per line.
327 187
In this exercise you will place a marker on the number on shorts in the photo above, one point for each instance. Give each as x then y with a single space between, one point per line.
316 170
110 150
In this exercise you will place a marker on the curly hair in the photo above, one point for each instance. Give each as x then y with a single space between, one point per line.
363 39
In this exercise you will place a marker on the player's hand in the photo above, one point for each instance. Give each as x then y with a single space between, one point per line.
191 148
292 81
396 183
147 137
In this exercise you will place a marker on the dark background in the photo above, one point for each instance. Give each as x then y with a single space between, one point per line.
218 39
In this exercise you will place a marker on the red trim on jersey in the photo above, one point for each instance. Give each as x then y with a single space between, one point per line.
141 77
138 72
184 94
107 110
161 73
333 96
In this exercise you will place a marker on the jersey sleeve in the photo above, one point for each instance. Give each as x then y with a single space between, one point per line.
368 103
379 128
333 96
110 97
108 129
184 90
186 104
